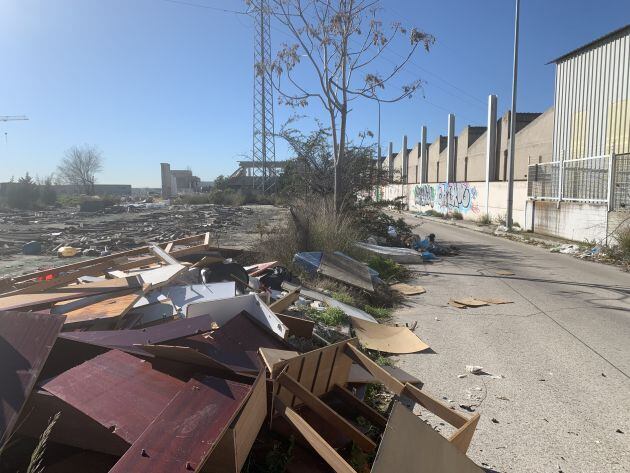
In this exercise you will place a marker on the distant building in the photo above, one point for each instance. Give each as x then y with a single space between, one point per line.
175 182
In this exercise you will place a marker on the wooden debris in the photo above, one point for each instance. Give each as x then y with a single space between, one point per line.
397 340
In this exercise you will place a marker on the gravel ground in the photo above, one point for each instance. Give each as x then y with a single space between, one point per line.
559 400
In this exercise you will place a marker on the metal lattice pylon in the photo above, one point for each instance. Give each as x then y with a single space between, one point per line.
264 147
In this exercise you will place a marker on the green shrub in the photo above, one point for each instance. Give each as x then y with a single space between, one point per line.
388 269
434 213
343 297
331 316
457 215
378 313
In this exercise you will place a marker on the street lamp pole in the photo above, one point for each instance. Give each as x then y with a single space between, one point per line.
510 199
379 166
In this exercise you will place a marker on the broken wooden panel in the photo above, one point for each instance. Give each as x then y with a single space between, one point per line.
225 309
235 343
231 453
111 307
118 390
347 270
26 340
184 434
359 375
409 445
285 302
298 327
161 276
183 295
396 340
318 371
73 427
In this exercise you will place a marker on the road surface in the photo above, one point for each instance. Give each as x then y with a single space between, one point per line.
557 396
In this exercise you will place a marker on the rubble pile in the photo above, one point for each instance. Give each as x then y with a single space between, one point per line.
113 229
173 357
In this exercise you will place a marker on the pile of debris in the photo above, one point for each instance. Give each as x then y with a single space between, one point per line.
173 357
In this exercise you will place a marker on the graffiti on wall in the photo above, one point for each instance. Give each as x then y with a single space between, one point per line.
443 197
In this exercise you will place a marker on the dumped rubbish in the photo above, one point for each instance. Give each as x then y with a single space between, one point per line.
398 255
32 248
171 357
504 272
407 289
472 302
397 340
474 369
68 251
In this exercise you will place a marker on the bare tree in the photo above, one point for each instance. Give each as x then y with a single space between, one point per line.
79 167
342 41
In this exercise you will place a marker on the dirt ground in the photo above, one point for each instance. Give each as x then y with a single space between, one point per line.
120 229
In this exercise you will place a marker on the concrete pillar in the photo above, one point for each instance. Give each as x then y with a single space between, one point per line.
404 172
165 172
390 161
450 149
424 157
491 146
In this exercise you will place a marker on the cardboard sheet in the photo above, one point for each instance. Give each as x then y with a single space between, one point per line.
410 445
387 339
407 289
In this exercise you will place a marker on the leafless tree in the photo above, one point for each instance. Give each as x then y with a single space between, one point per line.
79 167
342 41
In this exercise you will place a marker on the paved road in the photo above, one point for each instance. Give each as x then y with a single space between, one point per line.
562 347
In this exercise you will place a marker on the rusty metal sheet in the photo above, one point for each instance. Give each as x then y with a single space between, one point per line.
182 437
26 340
118 390
235 344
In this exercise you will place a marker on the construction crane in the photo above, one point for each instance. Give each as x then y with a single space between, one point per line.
10 118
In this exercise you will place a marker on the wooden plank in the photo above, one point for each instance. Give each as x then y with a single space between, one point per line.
323 448
297 326
378 372
409 445
206 238
309 371
283 303
26 340
112 307
324 369
326 413
436 407
366 411
184 434
163 254
461 439
273 356
169 247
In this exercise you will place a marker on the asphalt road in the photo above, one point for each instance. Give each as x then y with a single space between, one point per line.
558 357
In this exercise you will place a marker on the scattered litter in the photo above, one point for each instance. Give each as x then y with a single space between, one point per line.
494 420
475 369
504 272
408 289
467 302
68 251
462 376
397 340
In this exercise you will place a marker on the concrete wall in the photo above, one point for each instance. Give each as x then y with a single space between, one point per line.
503 134
413 175
468 169
617 222
534 144
572 220
437 148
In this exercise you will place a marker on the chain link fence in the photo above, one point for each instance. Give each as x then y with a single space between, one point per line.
543 180
586 180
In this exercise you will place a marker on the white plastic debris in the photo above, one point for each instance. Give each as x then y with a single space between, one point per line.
474 369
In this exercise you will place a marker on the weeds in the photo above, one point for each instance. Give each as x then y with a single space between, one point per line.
484 219
434 213
387 269
457 215
343 297
623 243
379 313
35 465
331 316
279 456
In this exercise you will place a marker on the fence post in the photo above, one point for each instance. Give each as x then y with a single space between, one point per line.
611 180
560 178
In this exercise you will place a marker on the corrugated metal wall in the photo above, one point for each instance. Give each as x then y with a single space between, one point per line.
592 102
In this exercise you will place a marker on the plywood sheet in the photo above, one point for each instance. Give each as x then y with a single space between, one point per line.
184 434
409 445
297 326
346 270
408 289
387 339
118 390
26 340
359 375
110 307
181 296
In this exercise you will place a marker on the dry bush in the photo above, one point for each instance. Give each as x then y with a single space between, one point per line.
313 225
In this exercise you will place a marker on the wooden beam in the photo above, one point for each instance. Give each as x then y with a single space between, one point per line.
323 448
325 412
169 247
438 408
378 372
283 303
461 439
206 239
297 326
366 411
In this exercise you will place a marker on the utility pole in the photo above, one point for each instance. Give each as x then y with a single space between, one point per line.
510 201
379 165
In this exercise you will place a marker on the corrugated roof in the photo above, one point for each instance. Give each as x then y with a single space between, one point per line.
602 39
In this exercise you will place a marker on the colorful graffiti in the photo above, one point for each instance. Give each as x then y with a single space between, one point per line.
449 197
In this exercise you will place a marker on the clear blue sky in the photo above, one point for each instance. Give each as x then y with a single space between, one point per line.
151 80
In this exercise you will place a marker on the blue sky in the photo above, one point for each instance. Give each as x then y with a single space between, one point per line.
149 81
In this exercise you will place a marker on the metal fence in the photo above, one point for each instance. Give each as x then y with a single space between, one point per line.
621 183
578 180
586 179
543 181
